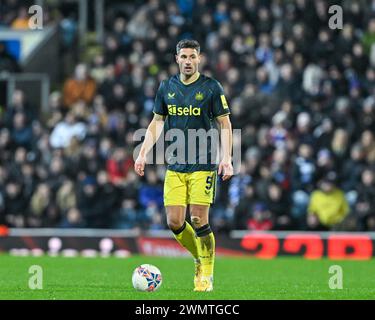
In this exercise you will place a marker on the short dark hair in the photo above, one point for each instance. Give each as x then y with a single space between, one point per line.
188 43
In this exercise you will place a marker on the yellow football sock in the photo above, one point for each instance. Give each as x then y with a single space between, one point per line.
186 237
206 249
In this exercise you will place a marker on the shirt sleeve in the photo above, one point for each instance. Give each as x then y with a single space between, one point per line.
159 105
219 105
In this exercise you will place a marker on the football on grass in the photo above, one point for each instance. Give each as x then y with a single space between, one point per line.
147 277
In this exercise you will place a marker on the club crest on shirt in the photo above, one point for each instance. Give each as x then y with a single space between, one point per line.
199 96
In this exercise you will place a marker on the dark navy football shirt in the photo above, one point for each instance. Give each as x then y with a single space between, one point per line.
191 106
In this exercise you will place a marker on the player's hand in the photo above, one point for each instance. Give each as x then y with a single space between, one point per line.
139 165
226 169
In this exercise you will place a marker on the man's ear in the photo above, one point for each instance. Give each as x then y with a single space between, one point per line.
176 56
200 57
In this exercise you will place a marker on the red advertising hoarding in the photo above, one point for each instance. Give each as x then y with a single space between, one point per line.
262 245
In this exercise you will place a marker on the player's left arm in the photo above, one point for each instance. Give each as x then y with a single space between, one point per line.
226 137
220 110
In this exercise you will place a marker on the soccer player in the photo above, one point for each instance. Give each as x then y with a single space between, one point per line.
190 100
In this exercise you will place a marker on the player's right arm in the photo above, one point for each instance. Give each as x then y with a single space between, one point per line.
152 135
153 131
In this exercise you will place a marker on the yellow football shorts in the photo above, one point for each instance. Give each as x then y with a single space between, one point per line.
181 189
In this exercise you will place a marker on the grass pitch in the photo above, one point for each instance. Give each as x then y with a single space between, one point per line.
235 278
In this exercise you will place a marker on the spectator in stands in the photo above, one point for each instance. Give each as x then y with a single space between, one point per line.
80 87
139 27
151 194
118 166
89 204
278 204
367 114
39 205
65 130
18 160
279 166
3 179
43 150
2 217
28 179
150 198
72 219
328 206
325 163
22 20
261 219
105 149
109 196
339 146
369 37
303 169
127 216
15 205
243 210
21 133
365 206
157 221
303 130
323 133
56 172
69 27
367 141
19 104
66 197
352 169
238 185
341 116
88 161
278 133
6 145
98 70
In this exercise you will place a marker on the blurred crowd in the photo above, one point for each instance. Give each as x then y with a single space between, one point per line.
302 94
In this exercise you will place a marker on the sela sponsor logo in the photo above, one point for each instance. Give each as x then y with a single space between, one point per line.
174 110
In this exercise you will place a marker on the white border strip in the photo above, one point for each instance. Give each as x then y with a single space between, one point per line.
235 234
52 232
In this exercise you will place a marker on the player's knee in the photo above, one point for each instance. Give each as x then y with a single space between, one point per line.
174 224
196 221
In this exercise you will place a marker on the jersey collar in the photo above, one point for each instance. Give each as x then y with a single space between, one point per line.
190 82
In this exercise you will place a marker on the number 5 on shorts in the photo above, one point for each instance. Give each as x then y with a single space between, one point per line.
209 181
210 187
